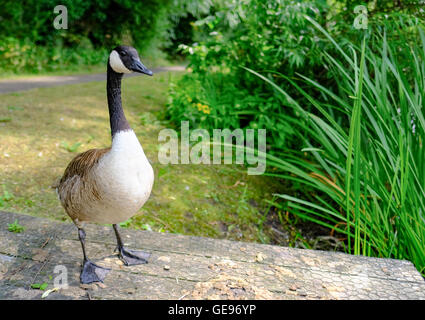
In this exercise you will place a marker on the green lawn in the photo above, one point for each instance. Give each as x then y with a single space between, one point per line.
37 126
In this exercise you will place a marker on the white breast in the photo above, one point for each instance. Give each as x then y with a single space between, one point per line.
124 178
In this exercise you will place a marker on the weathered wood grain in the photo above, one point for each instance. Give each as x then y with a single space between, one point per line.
191 267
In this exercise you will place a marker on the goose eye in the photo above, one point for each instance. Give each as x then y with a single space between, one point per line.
123 53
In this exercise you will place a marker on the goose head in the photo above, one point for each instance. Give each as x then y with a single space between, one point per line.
125 59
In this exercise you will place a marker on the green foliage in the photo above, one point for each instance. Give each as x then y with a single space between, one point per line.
104 22
264 35
40 286
379 10
217 102
270 37
30 43
24 56
15 227
363 171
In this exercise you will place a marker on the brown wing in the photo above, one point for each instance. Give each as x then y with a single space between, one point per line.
83 163
75 185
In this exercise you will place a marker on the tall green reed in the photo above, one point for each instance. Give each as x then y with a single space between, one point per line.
365 169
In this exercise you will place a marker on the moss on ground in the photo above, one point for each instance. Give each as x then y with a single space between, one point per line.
40 128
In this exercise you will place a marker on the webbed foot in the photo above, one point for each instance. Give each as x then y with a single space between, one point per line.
92 272
133 257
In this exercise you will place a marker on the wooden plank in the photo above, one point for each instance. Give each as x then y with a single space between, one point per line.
197 267
119 285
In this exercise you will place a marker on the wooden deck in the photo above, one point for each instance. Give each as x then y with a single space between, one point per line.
185 267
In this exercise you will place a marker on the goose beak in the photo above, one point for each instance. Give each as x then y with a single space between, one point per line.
138 66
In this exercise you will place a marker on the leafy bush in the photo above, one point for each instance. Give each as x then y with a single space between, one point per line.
104 22
270 37
216 102
23 56
30 43
263 35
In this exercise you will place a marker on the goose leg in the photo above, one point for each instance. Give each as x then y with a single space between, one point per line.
128 256
90 271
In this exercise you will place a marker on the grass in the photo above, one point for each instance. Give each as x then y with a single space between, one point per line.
15 227
48 125
364 167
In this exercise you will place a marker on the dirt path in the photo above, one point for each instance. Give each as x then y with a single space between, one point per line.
23 84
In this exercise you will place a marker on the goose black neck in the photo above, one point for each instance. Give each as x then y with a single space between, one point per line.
116 113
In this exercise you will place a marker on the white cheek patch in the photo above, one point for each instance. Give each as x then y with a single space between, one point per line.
116 64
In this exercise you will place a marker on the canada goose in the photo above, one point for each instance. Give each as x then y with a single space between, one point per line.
109 185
